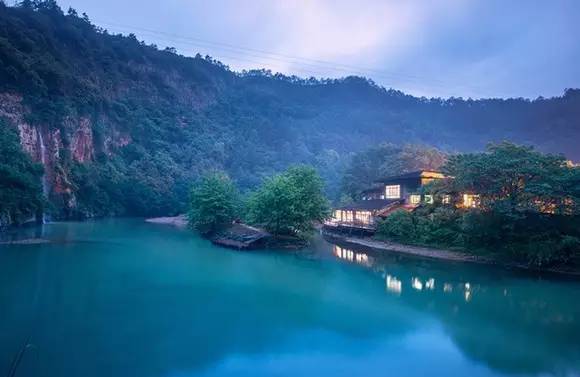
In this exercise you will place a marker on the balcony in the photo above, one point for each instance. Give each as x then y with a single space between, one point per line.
356 224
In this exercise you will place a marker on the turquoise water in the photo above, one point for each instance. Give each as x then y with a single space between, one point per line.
126 298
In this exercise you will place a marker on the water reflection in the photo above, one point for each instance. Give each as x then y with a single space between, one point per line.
393 283
512 322
123 298
351 256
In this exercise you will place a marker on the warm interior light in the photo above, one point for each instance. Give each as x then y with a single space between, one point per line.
393 191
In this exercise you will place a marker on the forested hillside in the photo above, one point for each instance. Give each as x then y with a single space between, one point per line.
123 127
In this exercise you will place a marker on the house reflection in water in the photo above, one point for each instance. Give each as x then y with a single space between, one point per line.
351 256
417 284
394 284
532 325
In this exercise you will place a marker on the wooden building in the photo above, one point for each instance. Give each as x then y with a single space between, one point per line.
389 194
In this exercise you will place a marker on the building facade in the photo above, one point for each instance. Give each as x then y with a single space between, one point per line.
388 195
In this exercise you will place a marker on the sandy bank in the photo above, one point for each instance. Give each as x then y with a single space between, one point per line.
419 251
178 221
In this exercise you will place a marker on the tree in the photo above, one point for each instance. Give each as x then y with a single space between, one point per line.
385 160
214 203
289 203
20 188
528 207
515 179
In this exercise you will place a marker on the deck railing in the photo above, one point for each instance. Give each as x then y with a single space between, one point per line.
352 224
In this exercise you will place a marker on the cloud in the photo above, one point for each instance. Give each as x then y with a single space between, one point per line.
434 48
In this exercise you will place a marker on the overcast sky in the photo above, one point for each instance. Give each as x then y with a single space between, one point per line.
468 48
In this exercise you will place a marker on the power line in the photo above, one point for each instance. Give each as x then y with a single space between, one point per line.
294 60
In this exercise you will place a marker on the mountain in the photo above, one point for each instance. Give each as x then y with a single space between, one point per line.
122 127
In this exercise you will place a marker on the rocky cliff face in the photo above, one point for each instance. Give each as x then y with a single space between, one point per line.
47 145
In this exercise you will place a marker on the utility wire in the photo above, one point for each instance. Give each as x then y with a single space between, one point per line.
321 67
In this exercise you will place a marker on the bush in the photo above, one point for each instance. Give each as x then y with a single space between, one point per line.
400 226
541 251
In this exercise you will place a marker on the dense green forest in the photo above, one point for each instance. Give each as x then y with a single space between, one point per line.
128 126
527 207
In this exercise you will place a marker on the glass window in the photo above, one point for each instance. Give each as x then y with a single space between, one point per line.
429 199
347 216
415 199
446 199
470 200
393 192
363 217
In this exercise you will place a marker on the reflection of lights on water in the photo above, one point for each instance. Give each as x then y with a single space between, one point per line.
343 253
351 256
417 284
467 292
362 258
393 284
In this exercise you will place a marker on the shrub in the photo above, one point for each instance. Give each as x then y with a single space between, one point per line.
399 226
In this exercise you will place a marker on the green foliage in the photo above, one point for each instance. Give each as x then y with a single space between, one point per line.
528 211
20 187
424 226
214 203
514 179
289 203
399 226
385 160
160 119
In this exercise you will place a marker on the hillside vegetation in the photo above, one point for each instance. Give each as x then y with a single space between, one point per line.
127 126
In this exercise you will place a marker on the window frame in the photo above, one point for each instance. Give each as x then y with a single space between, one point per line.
397 189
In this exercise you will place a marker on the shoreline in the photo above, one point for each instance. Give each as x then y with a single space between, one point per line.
179 221
383 247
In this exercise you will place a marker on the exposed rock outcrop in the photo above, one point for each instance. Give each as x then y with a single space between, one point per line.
82 147
45 145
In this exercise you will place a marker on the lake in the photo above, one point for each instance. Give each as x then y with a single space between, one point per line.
127 298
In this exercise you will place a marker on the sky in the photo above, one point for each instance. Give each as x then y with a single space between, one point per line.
432 48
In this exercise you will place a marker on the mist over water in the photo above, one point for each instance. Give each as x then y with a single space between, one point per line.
122 297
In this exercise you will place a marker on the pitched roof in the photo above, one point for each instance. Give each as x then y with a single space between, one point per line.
413 175
376 189
368 205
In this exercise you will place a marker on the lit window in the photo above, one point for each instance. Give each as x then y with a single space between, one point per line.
393 192
347 216
446 199
470 200
429 199
363 217
415 199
